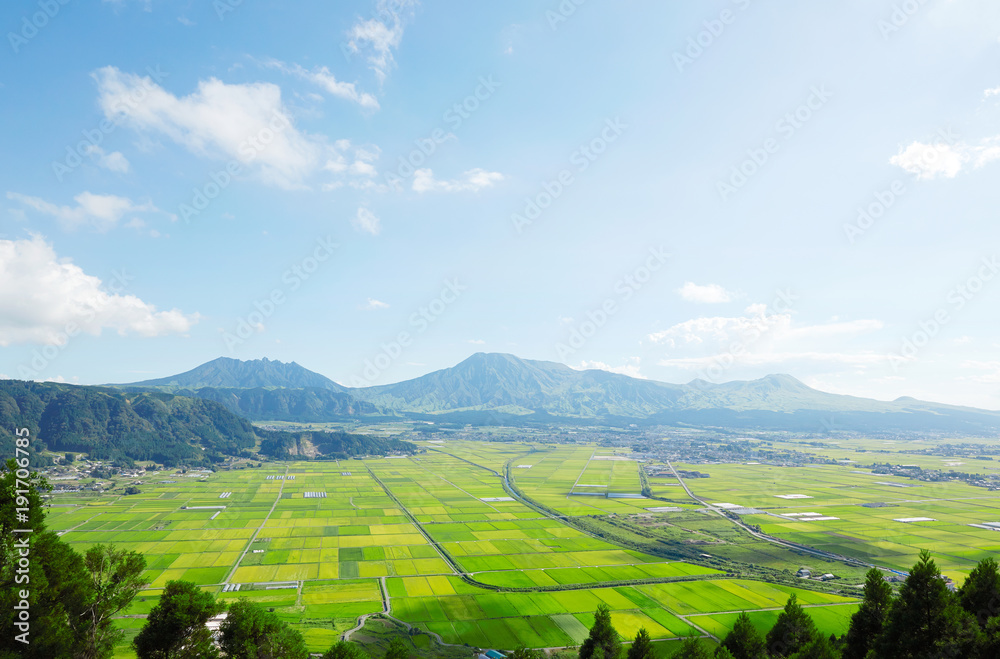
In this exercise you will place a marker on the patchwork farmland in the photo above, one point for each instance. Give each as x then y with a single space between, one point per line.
435 540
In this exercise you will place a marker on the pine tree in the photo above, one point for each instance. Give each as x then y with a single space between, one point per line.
980 594
345 650
642 647
744 642
602 635
691 648
722 652
868 621
793 630
818 648
926 620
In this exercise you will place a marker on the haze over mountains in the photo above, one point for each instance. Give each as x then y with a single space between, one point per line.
503 388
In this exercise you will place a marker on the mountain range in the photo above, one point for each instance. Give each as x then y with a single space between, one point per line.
503 388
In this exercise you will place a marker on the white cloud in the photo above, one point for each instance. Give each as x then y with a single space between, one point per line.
991 92
357 170
992 376
761 337
247 123
100 212
630 369
367 221
114 161
929 161
373 304
380 36
708 294
322 77
44 295
473 180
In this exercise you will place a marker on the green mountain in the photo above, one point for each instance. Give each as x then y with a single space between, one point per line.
494 388
109 423
227 373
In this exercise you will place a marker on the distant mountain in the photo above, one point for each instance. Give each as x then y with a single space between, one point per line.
109 423
508 385
493 387
307 404
227 373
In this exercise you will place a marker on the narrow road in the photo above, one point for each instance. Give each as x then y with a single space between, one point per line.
257 532
763 536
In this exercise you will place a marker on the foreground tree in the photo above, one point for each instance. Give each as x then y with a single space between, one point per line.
926 620
642 647
819 648
691 648
722 652
115 579
792 631
250 632
345 650
980 594
175 628
55 582
603 637
744 642
868 621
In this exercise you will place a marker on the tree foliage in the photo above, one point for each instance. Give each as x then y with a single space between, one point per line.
397 649
642 646
744 641
868 621
603 642
175 628
792 631
926 619
345 650
250 632
115 579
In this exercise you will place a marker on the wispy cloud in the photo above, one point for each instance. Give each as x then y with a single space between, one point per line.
322 77
367 222
373 305
707 294
379 37
97 211
473 180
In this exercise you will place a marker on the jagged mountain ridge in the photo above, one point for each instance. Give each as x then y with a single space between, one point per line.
514 387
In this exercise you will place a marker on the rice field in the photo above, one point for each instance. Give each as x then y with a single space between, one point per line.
403 532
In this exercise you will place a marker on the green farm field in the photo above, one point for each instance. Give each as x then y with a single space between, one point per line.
436 539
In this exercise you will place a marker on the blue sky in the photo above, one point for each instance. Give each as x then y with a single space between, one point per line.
375 190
